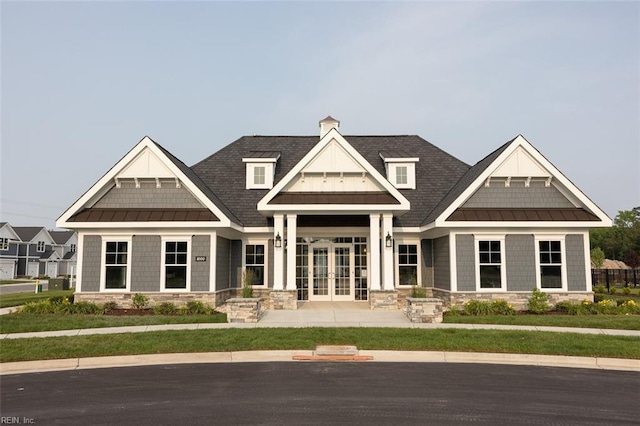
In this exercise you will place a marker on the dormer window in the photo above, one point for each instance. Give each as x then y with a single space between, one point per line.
261 168
40 247
401 168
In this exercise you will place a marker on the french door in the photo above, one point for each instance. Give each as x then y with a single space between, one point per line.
332 272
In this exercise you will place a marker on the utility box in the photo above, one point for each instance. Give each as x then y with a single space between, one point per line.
58 284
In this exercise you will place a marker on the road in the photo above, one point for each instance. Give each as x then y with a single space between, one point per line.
324 393
23 287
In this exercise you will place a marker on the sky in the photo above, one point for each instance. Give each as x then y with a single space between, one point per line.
82 82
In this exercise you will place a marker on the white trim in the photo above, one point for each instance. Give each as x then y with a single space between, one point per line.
291 246
523 224
103 258
333 134
106 182
563 259
520 141
587 261
79 261
374 251
278 252
251 175
257 242
503 265
163 266
213 252
388 269
453 263
396 260
401 160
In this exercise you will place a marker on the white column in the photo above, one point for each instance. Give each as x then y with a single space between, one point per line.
374 251
278 254
79 261
387 253
213 248
292 223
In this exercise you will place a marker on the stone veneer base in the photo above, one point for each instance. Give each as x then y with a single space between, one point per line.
517 299
283 299
424 310
244 310
384 300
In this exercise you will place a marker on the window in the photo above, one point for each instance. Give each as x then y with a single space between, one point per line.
254 263
258 175
4 244
550 264
116 263
490 262
176 264
41 246
401 175
73 248
407 264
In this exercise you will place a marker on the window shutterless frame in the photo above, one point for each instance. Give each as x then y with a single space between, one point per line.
115 267
407 261
175 273
551 263
490 263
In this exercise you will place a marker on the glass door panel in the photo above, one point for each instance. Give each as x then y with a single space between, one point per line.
320 271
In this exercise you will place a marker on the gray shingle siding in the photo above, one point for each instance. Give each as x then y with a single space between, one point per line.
236 264
200 246
520 262
223 263
270 248
146 258
91 261
576 279
148 196
465 262
518 196
426 247
441 263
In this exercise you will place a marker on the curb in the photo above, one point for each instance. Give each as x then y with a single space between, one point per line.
595 363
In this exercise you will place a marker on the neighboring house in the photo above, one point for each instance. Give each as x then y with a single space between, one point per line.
36 256
9 242
65 245
349 218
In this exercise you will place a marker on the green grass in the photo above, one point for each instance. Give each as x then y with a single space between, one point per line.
2 282
621 322
17 299
526 342
22 323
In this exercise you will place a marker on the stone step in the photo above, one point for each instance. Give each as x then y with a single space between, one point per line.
329 350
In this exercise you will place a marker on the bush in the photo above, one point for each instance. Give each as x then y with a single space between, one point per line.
454 310
139 301
612 290
601 289
196 307
477 307
39 307
538 303
629 307
626 290
575 308
165 308
501 307
418 292
606 307
109 307
86 308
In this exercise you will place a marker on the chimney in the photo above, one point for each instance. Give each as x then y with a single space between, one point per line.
327 124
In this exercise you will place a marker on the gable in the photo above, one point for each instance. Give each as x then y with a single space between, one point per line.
6 231
146 165
518 186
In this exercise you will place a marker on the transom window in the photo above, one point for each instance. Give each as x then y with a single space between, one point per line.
259 175
41 246
550 264
254 263
407 264
490 258
4 243
116 262
175 261
401 175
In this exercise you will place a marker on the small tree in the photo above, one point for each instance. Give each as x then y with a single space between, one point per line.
538 303
597 258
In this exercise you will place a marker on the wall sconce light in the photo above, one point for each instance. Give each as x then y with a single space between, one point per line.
387 240
278 241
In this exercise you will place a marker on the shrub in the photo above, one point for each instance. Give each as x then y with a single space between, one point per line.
109 307
477 307
626 290
165 308
502 307
598 297
86 308
196 307
606 307
629 307
418 292
454 310
39 307
612 290
538 303
139 301
601 289
575 308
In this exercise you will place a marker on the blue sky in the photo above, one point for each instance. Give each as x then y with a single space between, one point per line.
83 82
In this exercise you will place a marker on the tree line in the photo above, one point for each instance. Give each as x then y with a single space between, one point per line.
620 242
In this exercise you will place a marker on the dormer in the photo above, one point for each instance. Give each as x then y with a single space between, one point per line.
401 168
260 168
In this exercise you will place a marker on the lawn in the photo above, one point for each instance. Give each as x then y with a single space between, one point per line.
193 341
620 322
2 282
17 299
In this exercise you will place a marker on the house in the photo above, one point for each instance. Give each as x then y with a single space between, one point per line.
36 256
333 218
65 245
8 251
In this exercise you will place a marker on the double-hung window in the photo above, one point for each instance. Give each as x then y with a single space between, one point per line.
41 246
259 175
550 264
4 244
407 264
176 265
73 248
254 263
401 175
490 263
116 265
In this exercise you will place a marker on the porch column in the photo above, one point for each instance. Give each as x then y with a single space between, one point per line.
374 251
278 252
387 253
291 250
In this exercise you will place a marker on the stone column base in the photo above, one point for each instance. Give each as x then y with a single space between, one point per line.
385 300
244 310
427 310
283 299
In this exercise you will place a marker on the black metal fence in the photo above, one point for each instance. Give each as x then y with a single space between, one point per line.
616 277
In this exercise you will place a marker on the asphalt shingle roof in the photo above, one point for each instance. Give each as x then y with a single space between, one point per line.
61 237
224 173
27 233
